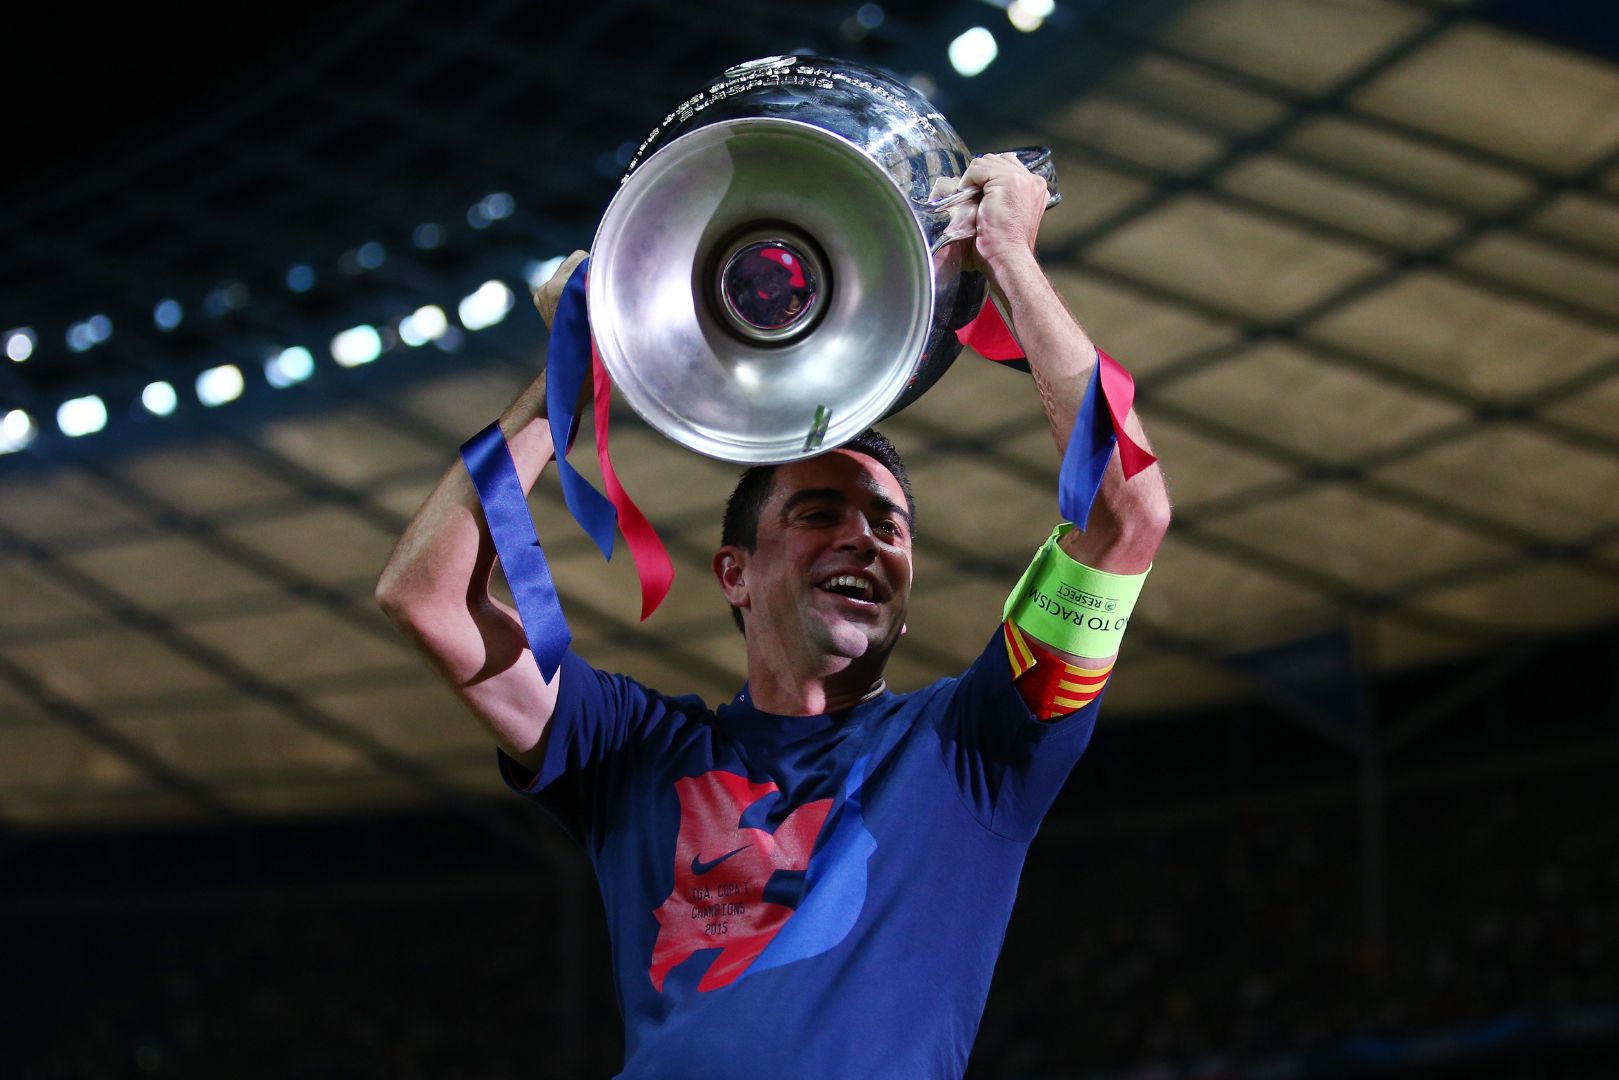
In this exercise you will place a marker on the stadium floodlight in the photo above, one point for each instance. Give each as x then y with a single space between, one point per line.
221 384
289 366
426 323
159 398
357 345
973 51
81 416
17 430
166 314
486 307
20 344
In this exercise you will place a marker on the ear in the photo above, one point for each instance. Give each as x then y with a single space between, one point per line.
730 569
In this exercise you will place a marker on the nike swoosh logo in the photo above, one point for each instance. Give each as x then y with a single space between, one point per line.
699 867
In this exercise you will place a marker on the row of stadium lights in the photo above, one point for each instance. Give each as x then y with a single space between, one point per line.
220 385
354 347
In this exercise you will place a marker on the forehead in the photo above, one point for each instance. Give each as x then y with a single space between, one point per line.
845 470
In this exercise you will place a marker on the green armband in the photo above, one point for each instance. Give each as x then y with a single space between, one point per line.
1071 607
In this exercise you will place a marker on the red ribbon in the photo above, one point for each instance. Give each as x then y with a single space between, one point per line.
989 335
652 563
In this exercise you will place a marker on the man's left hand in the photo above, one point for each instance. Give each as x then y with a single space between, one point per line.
1007 215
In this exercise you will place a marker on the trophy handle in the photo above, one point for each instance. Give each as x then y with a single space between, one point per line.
1037 159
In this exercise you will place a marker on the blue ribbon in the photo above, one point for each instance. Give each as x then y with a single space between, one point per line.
489 460
567 366
1084 462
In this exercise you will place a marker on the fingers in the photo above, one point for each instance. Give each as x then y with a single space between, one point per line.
988 168
549 295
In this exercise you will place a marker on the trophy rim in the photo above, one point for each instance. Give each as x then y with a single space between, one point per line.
788 446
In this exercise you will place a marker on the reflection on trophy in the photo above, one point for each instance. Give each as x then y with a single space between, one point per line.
779 269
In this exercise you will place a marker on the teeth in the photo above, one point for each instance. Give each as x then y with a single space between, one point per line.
849 581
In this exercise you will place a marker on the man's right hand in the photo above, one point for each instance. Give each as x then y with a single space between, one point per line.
549 295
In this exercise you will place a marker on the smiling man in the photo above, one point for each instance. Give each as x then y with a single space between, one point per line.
814 879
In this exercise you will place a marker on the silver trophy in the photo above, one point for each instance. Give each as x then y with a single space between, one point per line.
778 270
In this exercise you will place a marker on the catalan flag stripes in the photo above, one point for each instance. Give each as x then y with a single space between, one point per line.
1050 686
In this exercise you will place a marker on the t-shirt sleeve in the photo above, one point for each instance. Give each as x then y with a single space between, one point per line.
601 724
1008 765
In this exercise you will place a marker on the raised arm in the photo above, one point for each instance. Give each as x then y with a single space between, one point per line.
435 586
1129 517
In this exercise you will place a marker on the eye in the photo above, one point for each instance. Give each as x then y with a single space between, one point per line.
887 527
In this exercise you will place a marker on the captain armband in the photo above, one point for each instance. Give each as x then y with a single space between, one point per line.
1063 606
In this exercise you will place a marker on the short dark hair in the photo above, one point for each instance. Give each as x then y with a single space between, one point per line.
740 526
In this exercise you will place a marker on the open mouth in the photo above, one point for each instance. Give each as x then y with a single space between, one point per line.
851 586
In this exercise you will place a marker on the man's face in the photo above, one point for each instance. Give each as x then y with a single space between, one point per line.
829 579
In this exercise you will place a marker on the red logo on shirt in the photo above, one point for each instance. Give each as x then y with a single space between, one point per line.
721 868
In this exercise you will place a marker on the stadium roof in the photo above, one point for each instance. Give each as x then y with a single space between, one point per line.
1362 256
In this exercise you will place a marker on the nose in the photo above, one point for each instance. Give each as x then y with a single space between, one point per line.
854 533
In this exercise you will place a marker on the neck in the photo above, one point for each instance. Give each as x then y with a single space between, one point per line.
788 693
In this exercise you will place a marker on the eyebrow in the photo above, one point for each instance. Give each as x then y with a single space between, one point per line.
881 501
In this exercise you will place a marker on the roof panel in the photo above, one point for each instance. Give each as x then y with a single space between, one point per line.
1104 192
1318 410
952 617
419 717
1467 337
61 502
464 402
104 666
1593 408
1546 269
1554 108
1587 220
1140 329
1370 545
1201 469
1221 255
34 597
245 743
42 758
1359 149
974 395
352 446
1340 202
1025 506
307 643
162 574
667 481
1183 89
1519 477
1304 44
404 495
325 544
1210 595
1135 134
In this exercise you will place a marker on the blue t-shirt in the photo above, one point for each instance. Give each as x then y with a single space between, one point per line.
803 896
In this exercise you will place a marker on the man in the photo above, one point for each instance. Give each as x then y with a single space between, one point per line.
815 879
